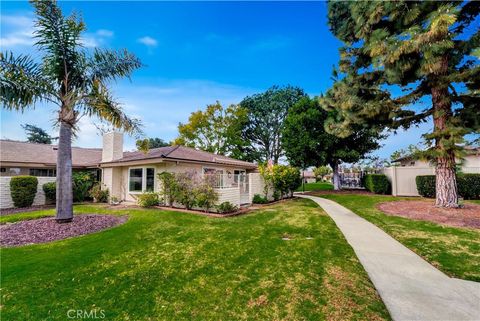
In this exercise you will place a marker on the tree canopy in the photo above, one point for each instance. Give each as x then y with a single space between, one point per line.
149 143
216 129
421 50
36 134
307 143
266 115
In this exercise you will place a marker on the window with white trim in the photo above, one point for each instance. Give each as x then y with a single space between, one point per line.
141 179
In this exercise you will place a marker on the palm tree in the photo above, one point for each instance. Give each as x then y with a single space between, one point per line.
70 77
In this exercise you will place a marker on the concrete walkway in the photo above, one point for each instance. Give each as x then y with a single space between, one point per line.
411 288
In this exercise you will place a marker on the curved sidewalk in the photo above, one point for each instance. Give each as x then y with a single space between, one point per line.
410 287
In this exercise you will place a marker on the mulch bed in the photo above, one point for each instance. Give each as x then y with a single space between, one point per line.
9 211
45 230
468 216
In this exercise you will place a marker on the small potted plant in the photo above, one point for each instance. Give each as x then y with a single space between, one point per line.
114 200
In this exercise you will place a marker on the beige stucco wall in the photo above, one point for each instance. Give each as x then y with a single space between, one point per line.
6 199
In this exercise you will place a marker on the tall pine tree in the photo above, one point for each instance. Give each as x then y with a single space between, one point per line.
429 50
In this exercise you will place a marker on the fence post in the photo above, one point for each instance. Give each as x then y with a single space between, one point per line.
394 180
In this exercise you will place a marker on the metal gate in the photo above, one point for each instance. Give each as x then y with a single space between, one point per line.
351 180
243 184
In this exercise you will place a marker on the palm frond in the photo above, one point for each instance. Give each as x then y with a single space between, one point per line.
100 103
110 65
22 83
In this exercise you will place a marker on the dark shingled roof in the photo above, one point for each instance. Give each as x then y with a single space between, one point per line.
24 152
182 153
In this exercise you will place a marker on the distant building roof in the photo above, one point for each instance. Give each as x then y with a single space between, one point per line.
32 153
470 150
179 153
308 174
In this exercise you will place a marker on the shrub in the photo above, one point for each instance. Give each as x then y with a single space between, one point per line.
98 194
377 183
168 187
50 190
283 179
226 207
259 199
205 195
184 189
23 190
426 185
148 199
82 182
468 185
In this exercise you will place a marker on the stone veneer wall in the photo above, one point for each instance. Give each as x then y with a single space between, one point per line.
6 199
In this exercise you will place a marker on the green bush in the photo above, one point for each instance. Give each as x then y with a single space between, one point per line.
98 194
184 189
426 185
377 183
283 179
148 199
259 199
205 195
468 186
50 190
82 182
23 190
226 207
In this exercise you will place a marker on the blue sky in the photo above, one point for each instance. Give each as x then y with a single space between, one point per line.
195 53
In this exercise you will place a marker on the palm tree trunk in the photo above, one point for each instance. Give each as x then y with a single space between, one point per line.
64 174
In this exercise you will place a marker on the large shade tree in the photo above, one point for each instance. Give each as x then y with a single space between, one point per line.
307 143
216 129
37 135
429 50
69 77
266 115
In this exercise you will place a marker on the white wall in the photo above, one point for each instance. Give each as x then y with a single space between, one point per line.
6 199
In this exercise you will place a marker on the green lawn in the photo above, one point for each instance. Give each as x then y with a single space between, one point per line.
317 186
456 251
164 265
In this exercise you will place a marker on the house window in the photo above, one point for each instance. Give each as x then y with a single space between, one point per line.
44 172
3 169
236 175
216 173
14 171
141 179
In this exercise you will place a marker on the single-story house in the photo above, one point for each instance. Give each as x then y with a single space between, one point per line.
308 177
402 175
129 173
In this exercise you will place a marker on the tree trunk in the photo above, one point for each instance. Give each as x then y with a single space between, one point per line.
64 174
446 182
336 176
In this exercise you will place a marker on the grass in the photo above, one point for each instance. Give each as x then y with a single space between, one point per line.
164 265
317 186
455 251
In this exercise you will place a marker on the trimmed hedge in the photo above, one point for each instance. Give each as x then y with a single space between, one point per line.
23 190
468 186
377 183
50 190
426 185
259 199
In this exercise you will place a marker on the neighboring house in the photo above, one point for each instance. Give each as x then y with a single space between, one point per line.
127 174
402 175
308 177
23 158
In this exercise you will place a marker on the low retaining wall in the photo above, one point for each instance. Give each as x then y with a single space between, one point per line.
6 199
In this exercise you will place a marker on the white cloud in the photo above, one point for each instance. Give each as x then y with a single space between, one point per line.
16 31
148 41
96 39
